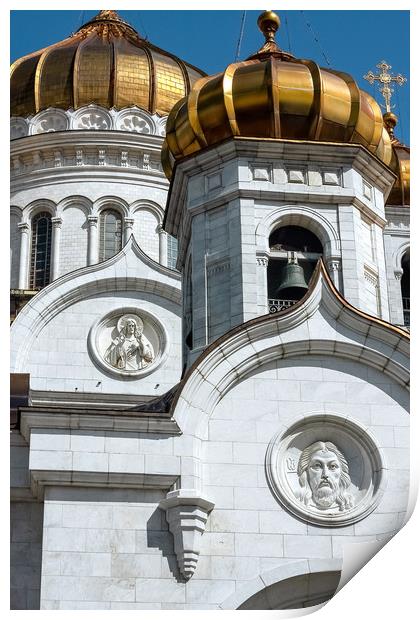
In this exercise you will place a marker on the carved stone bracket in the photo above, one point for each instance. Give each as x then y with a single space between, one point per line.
186 513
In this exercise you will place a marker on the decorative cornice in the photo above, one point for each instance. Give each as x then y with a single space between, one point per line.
92 117
85 419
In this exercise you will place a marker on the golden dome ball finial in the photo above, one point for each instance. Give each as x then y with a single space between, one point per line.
390 122
269 22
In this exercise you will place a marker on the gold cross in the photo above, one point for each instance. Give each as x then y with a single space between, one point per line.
385 78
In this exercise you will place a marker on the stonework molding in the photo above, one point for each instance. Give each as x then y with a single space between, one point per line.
186 513
334 265
90 117
262 261
128 342
294 568
371 277
46 121
85 157
404 248
326 470
261 172
304 216
18 128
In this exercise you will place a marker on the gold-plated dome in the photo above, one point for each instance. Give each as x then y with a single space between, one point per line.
274 95
400 164
104 62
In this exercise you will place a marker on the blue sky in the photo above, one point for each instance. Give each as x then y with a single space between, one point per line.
350 41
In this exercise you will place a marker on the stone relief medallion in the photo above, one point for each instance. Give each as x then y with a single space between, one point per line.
49 120
326 470
128 342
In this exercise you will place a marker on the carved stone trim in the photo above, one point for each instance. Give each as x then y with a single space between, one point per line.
92 118
92 220
186 513
87 156
56 222
262 261
334 265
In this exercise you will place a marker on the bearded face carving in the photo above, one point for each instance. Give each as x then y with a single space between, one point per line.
324 477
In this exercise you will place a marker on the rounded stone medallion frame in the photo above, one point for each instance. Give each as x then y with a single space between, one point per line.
366 466
153 330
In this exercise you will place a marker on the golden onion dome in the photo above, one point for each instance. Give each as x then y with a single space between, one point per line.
105 62
274 95
400 165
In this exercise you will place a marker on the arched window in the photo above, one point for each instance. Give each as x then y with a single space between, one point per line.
405 287
40 250
294 252
110 233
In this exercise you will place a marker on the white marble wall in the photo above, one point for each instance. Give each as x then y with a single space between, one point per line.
111 549
60 359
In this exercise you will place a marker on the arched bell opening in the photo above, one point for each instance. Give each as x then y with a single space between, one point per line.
405 287
294 252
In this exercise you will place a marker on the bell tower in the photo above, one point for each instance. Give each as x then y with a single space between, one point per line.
273 179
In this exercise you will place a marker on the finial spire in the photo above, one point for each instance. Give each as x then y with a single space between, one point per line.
108 24
269 22
385 78
105 15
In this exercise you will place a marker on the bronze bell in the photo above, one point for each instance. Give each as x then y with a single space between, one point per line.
292 283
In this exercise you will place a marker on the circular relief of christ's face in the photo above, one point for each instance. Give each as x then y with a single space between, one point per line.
326 470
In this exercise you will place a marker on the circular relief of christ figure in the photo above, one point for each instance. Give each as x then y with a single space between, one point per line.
130 350
128 342
326 470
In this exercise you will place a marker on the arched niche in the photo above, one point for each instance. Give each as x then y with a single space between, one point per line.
296 592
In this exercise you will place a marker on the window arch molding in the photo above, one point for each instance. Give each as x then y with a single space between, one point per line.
148 205
303 217
81 202
37 206
111 202
399 255
16 211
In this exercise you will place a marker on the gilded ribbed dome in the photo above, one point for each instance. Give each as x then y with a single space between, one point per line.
274 95
105 62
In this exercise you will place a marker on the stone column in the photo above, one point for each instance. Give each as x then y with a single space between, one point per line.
55 247
397 306
262 286
163 246
93 249
24 254
128 228
334 268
